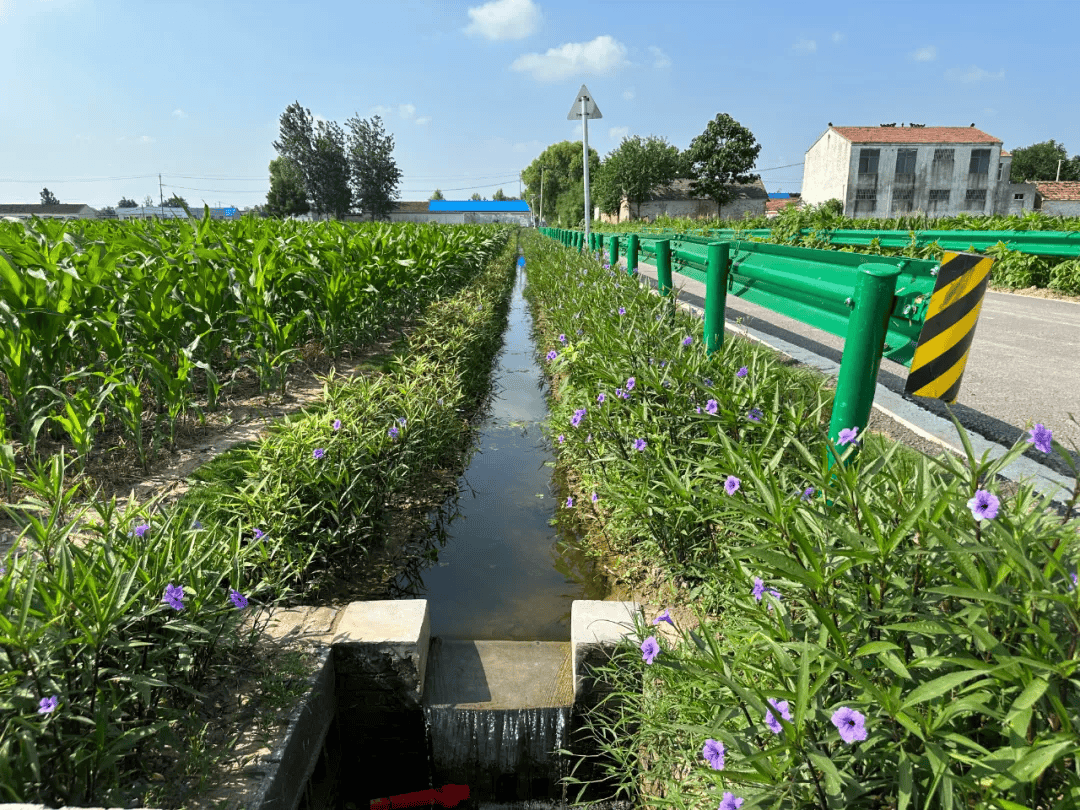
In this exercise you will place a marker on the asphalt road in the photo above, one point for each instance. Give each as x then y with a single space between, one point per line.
1024 366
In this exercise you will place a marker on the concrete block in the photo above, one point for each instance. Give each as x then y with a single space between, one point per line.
596 627
387 640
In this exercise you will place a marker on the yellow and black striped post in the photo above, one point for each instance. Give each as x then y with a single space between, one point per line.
949 326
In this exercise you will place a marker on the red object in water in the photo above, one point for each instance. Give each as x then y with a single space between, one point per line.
447 796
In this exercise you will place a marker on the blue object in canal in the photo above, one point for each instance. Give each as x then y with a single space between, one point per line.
521 261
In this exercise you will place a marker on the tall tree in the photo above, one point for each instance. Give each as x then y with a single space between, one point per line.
126 203
148 201
330 193
721 156
1040 162
375 175
634 169
438 195
476 196
176 201
498 196
563 174
287 195
47 198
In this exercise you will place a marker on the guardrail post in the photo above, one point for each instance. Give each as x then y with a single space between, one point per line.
663 266
613 253
716 295
631 254
875 288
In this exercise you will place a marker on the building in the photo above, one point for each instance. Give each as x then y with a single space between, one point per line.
151 211
1058 197
890 170
64 211
458 212
676 200
777 202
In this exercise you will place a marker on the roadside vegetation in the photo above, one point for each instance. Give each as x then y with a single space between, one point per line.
892 631
118 619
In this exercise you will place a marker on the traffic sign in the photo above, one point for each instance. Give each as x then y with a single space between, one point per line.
591 110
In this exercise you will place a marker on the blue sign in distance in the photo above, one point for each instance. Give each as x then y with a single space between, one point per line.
521 261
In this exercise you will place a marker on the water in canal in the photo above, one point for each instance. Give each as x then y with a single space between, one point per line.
505 572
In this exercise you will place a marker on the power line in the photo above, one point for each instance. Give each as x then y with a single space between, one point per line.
774 168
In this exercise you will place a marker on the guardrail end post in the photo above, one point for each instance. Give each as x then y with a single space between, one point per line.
716 295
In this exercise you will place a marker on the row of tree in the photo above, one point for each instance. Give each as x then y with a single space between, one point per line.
1044 161
324 170
720 157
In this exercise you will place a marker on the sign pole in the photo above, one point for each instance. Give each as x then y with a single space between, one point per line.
585 147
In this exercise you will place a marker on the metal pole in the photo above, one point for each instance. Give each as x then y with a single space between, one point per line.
716 295
542 168
875 290
585 146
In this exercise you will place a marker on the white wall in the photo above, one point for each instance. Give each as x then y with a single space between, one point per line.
1067 208
825 170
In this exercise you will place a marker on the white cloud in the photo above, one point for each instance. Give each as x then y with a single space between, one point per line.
837 37
628 95
973 74
927 54
145 139
179 113
381 111
662 60
504 19
406 110
601 56
423 120
805 46
618 133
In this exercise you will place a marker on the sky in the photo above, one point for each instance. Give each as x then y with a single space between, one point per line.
100 97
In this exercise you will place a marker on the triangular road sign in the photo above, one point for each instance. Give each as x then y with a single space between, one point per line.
591 110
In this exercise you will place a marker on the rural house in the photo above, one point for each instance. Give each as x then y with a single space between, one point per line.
63 211
459 212
676 200
1062 198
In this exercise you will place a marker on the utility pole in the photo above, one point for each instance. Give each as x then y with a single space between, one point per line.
1056 179
161 195
540 219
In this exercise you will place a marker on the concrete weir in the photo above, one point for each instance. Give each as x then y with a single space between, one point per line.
391 711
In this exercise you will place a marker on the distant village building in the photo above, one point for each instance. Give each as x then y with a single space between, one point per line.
778 201
1061 198
890 170
676 200
63 211
458 212
161 212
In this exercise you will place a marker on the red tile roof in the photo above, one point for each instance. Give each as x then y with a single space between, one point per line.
776 205
915 135
1063 190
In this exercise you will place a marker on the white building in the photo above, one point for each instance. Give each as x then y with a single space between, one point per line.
889 171
457 212
676 200
61 211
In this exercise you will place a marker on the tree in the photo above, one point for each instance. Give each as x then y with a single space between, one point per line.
148 201
176 201
633 170
126 203
476 196
1040 162
330 192
721 156
108 212
498 196
437 195
563 180
47 198
287 196
375 175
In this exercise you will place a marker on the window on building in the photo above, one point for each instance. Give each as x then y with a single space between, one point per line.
903 199
975 199
868 160
905 164
865 200
1018 197
943 161
980 161
939 199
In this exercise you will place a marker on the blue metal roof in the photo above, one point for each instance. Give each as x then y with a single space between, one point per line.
779 195
479 205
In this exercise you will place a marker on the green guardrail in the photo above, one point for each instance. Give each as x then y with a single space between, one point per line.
878 304
1062 244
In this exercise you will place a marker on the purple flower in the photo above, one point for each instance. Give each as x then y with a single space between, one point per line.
846 435
731 485
238 599
708 383
562 338
588 438
622 310
664 617
983 505
578 416
1041 437
562 438
850 723
552 355
337 423
714 754
630 383
698 409
47 705
759 590
174 595
401 421
808 493
710 407
651 648
771 721
1073 587
687 340
742 372
601 398
259 533
730 802
639 444
319 452
618 392
626 395
392 432
569 502
755 415
663 363
596 497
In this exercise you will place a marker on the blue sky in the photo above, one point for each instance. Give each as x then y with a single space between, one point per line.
100 96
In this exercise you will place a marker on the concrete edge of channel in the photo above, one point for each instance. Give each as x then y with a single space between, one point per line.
277 777
910 416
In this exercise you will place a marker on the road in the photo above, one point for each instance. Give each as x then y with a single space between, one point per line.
1024 366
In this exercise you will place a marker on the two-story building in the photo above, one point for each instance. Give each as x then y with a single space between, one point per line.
890 170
